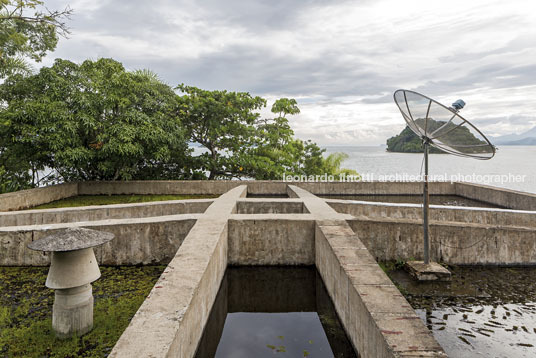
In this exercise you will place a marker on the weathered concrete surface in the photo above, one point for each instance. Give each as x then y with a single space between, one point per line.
503 197
208 187
27 198
450 242
431 271
506 217
103 212
70 239
172 318
378 319
270 206
271 239
72 312
138 241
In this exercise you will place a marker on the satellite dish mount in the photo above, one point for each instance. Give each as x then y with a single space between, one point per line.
443 128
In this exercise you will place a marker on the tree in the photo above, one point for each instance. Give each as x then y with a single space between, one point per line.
223 123
28 30
94 121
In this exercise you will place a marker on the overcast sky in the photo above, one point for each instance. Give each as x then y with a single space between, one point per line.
341 60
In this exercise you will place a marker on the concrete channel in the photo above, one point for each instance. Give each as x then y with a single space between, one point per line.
198 239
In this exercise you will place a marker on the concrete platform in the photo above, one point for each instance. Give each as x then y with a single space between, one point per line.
427 272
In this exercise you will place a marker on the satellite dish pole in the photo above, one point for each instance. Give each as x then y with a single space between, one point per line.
426 205
443 128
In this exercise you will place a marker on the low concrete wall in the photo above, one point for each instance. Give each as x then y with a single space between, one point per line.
269 206
258 187
27 198
453 243
511 199
137 241
202 187
504 217
103 212
378 319
271 240
170 321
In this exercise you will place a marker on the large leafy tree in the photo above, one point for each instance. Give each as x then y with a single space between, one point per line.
28 30
94 121
241 144
224 124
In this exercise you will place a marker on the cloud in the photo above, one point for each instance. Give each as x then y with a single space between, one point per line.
341 60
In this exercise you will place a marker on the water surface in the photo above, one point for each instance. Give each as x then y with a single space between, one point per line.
483 312
273 311
515 160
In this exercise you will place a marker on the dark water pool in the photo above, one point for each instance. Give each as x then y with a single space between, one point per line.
447 200
483 312
273 312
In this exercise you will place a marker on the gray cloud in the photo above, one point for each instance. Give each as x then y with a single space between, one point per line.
341 59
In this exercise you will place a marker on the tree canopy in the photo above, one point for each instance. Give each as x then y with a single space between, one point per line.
98 121
94 121
28 30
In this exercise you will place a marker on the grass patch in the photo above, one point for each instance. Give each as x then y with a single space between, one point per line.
89 200
26 311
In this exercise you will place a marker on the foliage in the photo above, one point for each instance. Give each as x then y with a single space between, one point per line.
408 142
26 306
333 162
240 144
223 123
28 30
94 121
88 200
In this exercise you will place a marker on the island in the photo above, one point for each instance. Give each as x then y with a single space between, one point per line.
409 142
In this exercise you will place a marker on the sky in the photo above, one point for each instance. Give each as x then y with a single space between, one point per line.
341 60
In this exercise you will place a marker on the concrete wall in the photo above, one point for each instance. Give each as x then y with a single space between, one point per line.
170 321
269 206
27 198
511 199
378 319
464 244
137 241
271 240
103 212
504 217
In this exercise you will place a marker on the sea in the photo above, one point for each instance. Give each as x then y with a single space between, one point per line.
512 167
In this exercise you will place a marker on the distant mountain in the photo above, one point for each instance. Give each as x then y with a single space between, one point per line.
526 138
524 141
409 142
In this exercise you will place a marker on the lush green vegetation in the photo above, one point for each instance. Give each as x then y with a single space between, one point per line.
28 30
26 310
408 142
88 200
98 121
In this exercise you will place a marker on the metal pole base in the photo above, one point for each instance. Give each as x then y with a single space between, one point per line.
72 312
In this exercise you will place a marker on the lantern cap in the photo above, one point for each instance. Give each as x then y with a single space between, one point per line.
71 239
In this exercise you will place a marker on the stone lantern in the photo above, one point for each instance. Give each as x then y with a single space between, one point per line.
73 267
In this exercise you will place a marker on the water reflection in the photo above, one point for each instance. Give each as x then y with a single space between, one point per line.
267 311
483 312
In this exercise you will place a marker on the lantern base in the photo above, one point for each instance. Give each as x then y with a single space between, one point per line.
72 313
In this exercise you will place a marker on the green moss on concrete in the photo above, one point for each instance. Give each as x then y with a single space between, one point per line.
26 311
88 200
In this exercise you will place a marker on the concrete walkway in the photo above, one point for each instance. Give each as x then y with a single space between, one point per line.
377 318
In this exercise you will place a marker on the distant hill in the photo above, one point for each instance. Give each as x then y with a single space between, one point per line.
409 142
526 138
524 141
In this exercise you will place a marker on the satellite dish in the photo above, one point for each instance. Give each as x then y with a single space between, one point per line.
443 128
